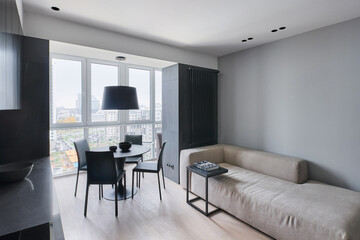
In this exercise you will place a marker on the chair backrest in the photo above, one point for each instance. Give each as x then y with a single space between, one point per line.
101 168
81 147
158 143
159 163
135 139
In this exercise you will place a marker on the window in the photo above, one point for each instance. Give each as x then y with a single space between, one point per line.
77 86
66 89
63 156
158 96
140 79
102 76
104 136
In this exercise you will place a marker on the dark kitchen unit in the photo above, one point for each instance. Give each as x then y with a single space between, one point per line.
28 208
190 97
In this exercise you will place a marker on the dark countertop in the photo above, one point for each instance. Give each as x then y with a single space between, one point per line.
30 202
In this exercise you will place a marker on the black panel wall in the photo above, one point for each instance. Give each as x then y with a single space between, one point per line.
24 133
189 112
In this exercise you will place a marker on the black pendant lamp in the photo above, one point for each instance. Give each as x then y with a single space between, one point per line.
119 98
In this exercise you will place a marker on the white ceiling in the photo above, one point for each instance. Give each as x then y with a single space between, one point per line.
210 26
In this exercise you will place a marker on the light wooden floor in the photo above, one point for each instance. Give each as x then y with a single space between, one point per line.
144 217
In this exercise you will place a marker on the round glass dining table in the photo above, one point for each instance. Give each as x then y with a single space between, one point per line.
119 157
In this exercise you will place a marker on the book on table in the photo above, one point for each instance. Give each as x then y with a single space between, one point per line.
206 166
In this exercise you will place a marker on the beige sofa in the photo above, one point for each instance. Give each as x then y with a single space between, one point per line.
272 193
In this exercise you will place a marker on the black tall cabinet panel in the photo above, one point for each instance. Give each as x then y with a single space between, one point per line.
24 133
24 90
10 57
189 112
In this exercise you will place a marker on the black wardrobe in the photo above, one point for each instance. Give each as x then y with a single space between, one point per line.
189 112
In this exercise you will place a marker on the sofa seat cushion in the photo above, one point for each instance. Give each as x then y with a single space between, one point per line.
283 209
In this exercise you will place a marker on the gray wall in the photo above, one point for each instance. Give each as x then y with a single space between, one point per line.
299 96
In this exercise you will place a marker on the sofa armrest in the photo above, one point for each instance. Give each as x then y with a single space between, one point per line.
213 153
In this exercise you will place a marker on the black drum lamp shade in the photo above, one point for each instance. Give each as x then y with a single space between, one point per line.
119 98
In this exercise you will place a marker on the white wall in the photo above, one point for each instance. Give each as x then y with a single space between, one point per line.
299 96
59 30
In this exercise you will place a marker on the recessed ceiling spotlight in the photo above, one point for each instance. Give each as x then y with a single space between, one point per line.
274 30
250 38
244 40
282 28
120 58
55 9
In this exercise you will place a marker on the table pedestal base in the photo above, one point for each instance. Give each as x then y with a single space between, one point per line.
110 194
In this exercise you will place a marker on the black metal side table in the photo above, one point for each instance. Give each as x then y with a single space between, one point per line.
206 175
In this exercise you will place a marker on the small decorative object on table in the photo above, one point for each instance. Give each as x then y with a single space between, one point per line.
13 172
206 166
113 148
125 146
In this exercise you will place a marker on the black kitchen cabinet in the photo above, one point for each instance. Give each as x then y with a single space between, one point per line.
10 55
189 112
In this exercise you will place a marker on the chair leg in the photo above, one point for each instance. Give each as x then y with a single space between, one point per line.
102 191
137 179
132 186
77 179
116 200
139 175
162 171
124 186
99 191
159 185
86 198
142 159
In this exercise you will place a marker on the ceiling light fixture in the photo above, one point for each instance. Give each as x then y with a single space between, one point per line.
120 58
280 28
55 9
249 39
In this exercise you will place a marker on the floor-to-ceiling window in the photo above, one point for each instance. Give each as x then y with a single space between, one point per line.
77 86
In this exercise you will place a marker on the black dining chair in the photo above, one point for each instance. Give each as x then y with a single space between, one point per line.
81 147
150 168
101 169
134 139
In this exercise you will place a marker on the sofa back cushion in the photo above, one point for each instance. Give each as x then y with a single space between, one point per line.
276 165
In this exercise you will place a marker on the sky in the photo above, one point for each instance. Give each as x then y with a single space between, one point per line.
66 83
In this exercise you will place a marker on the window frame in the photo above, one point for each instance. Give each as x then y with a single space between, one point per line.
123 116
152 94
157 122
83 92
89 122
